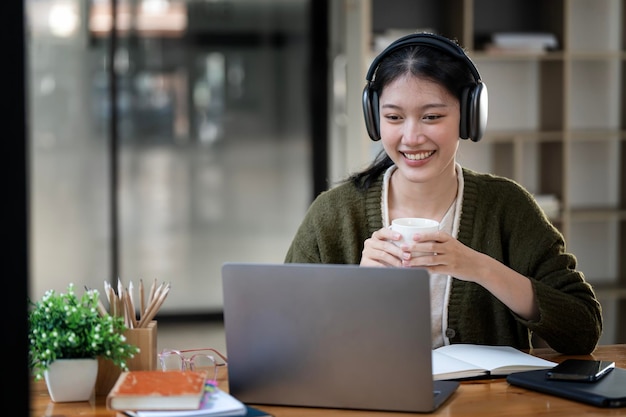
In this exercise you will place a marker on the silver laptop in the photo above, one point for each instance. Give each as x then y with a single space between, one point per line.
331 336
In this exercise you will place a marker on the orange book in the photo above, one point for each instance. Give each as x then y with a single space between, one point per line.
157 390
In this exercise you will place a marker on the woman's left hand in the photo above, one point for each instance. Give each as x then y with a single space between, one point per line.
447 256
441 253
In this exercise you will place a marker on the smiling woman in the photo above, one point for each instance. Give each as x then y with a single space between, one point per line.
421 133
498 268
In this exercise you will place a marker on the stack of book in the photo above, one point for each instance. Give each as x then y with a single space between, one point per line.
173 394
521 42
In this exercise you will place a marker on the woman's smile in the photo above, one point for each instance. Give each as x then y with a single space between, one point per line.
417 156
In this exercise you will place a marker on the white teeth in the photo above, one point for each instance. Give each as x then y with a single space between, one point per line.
418 156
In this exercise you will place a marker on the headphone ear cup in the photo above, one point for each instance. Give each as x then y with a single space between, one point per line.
465 117
370 113
474 110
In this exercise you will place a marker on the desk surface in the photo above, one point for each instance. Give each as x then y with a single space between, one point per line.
473 398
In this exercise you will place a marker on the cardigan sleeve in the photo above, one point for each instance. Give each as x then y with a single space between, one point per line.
570 315
304 247
507 224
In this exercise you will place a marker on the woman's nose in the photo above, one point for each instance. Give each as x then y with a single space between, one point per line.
413 131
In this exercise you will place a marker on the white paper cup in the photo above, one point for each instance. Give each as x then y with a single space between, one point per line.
409 226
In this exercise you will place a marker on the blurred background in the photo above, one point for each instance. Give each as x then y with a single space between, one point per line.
213 150
200 131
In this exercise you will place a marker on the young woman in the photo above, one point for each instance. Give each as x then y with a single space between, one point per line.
499 270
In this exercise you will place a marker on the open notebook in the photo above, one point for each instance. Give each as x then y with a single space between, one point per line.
466 361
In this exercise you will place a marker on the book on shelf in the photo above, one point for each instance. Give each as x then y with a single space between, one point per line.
157 390
508 43
469 361
524 40
217 403
493 49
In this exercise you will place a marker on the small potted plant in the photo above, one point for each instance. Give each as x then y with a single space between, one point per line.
64 327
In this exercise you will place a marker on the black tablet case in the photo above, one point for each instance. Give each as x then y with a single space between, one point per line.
609 392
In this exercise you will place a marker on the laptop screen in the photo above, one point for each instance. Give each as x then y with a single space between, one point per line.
320 335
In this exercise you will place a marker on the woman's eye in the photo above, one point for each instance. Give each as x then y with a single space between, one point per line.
431 117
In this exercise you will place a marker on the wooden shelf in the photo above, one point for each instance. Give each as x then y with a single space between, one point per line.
557 120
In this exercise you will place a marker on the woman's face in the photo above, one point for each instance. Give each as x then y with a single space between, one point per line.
419 127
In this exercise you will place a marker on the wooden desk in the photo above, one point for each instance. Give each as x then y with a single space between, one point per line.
473 398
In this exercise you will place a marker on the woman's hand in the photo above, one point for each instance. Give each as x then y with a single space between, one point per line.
446 255
379 250
438 252
441 253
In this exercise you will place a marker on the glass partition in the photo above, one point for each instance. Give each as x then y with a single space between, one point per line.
212 154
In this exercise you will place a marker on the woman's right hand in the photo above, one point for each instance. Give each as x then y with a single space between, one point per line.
379 249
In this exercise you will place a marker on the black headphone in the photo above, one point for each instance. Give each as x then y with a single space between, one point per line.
474 100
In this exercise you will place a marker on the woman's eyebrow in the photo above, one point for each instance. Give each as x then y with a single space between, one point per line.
424 107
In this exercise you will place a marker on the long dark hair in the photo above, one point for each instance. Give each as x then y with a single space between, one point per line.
421 61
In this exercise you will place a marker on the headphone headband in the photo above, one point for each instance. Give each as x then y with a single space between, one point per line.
426 39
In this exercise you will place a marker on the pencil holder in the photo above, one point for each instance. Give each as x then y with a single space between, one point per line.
145 338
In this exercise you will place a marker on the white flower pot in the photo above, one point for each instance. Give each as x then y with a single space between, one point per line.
71 379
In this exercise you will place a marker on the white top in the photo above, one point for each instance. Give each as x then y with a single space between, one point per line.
439 283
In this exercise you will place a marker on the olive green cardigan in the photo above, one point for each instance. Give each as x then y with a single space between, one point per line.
498 218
